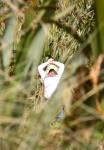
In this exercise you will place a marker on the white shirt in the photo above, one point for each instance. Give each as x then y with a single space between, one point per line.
50 83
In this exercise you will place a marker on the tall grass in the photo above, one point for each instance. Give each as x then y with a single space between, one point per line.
30 33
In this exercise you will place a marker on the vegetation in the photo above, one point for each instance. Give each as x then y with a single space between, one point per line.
30 33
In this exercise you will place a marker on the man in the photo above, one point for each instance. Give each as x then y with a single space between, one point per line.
50 72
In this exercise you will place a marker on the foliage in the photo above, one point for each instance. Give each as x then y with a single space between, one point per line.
30 33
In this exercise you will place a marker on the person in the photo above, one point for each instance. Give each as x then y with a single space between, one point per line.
51 72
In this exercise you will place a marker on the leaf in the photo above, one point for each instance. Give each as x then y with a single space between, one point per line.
35 50
99 38
8 40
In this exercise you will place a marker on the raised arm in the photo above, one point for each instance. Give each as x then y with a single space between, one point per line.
61 67
41 69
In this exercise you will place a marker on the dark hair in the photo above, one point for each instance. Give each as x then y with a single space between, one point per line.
52 70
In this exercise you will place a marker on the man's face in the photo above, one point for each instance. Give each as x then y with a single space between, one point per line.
52 73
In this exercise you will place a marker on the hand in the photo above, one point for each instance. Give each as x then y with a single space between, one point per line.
51 60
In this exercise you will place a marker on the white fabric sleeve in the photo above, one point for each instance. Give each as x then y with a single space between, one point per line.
61 68
41 70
